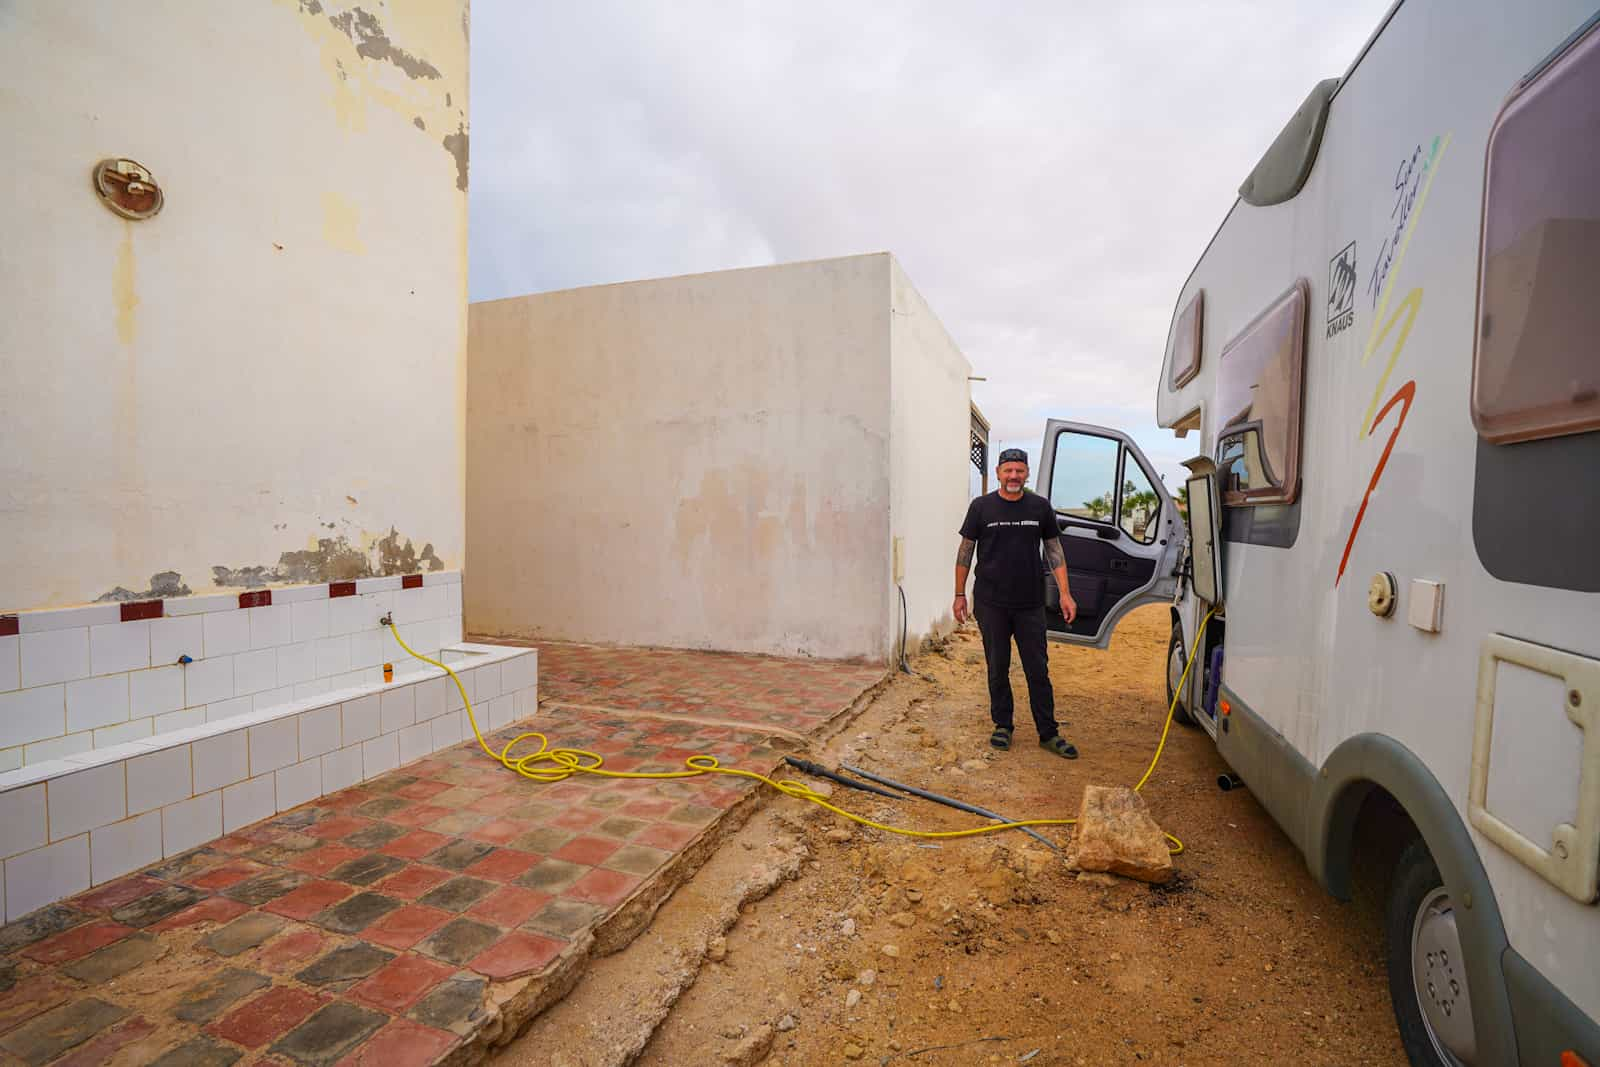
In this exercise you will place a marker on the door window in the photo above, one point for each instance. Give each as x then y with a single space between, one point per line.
1141 507
1083 476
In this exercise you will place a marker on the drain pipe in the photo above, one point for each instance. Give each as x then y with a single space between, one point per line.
946 801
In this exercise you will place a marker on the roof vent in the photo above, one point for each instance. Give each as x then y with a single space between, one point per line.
1283 170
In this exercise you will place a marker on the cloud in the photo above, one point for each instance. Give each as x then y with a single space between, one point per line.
1046 173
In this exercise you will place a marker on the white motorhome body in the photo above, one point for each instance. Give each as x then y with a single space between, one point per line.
1388 356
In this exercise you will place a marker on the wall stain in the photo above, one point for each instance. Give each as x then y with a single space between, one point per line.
372 42
341 223
416 121
124 293
162 584
456 145
334 559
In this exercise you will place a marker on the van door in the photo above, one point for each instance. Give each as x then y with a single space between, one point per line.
1119 528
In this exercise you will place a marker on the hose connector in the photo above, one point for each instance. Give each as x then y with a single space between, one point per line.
387 619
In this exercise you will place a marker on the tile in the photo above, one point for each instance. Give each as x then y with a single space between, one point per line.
207 681
314 688
602 886
221 760
28 715
124 846
119 646
299 783
360 717
552 876
10 663
341 769
196 605
155 692
447 730
458 894
244 933
225 633
667 836
398 708
290 950
272 698
206 1000
459 940
270 626
380 754
458 855
375 585
502 712
157 906
587 850
269 885
486 683
262 1019
412 882
170 638
364 870
366 649
404 927
46 875
232 708
376 835
255 672
115 960
357 913
53 1033
22 820
106 1045
638 860
430 698
400 983
345 965
297 594
415 742
93 702
509 906
414 844
519 672
191 822
310 620
452 1005
346 615
330 1033
319 731
452 599
10 759
212 911
331 655
312 898
198 1052
55 656
87 799
29 622
248 802
297 662
274 745
77 942
159 779
108 737
566 918
418 605
516 954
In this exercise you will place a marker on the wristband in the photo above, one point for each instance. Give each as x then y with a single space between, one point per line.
961 596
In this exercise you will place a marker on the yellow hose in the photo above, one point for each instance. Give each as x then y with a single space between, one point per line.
548 764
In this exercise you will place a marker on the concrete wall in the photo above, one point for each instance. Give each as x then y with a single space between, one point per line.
268 377
697 462
930 438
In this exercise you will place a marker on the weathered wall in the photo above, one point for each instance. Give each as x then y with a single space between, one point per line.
276 359
693 462
930 436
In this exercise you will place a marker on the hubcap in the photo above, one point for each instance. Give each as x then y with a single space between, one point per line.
1439 977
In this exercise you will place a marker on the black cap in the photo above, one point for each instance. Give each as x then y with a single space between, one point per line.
1012 455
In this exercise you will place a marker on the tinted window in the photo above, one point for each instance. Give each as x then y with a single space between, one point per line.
1258 405
1536 373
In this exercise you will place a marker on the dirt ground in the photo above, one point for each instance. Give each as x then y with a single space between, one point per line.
808 941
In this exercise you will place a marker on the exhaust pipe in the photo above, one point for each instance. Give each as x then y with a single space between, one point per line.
1229 782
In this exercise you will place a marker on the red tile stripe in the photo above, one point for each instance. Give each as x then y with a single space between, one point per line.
8 625
135 610
411 581
338 589
258 598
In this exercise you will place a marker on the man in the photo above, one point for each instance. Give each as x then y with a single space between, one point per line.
1007 528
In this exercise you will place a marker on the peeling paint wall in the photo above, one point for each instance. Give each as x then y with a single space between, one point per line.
697 462
266 382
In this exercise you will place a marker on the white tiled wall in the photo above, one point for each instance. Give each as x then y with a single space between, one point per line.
81 821
79 679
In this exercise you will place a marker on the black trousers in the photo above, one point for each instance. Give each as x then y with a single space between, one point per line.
999 625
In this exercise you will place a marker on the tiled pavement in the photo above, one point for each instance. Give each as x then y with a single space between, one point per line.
376 925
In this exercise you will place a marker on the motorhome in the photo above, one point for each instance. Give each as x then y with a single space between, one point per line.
1389 577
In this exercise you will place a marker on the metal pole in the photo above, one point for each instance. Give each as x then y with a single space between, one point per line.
936 798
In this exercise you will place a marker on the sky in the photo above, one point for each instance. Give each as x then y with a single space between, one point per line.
1046 173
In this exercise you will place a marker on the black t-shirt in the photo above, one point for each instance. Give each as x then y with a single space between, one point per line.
1010 534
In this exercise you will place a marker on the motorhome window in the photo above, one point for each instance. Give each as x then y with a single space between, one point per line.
1185 357
1141 507
1083 476
1258 391
1535 374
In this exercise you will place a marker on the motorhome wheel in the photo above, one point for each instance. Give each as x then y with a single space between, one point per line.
1427 967
1175 662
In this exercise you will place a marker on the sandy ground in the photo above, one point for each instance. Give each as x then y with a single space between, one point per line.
809 941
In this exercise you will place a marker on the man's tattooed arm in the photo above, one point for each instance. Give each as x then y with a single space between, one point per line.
1053 556
964 553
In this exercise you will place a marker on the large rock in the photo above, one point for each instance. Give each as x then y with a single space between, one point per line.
1115 833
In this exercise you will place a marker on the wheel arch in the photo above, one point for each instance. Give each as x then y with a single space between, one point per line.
1348 778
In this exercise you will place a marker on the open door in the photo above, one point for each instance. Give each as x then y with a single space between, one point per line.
1120 529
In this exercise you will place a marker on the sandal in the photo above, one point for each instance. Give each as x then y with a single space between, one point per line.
1001 738
1060 746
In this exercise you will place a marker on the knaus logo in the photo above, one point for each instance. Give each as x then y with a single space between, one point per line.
1342 290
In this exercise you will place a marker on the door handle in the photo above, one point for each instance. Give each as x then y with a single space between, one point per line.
1118 564
1107 533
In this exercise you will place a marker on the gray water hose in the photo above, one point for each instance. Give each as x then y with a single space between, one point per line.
937 799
